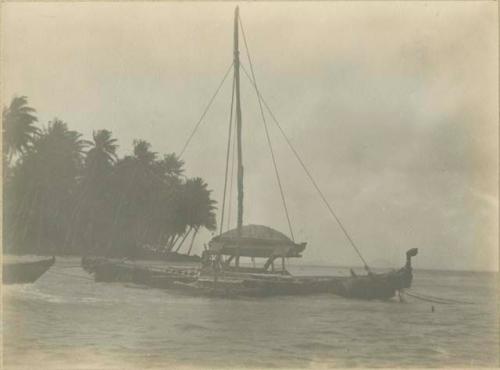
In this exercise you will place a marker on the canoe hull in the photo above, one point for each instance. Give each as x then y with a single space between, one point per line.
232 282
368 287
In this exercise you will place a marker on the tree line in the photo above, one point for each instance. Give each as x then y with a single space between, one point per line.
64 194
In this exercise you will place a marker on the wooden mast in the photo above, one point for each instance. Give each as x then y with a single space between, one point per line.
238 130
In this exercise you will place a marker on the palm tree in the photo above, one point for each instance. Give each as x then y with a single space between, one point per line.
201 206
198 209
92 206
141 200
143 153
42 188
172 165
100 158
103 148
19 130
56 137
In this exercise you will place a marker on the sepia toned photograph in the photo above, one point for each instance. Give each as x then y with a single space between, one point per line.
250 185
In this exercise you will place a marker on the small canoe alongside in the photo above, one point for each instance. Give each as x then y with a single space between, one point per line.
25 272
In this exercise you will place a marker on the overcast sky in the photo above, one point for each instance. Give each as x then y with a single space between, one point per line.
393 106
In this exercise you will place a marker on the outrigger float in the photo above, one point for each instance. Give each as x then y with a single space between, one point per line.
220 272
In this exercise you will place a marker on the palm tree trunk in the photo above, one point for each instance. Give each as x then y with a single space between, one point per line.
169 242
183 238
9 159
175 241
192 241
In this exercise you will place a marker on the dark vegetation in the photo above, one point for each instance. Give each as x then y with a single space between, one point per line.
67 195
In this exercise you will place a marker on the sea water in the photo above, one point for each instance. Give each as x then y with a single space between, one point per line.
67 321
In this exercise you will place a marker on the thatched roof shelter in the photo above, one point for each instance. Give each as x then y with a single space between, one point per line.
255 241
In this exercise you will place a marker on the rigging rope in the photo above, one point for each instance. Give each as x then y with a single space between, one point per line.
323 198
227 157
205 111
254 83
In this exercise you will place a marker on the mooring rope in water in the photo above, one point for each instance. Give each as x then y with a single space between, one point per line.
426 299
439 300
422 295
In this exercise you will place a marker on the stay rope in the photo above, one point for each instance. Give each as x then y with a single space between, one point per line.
254 83
308 173
205 111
